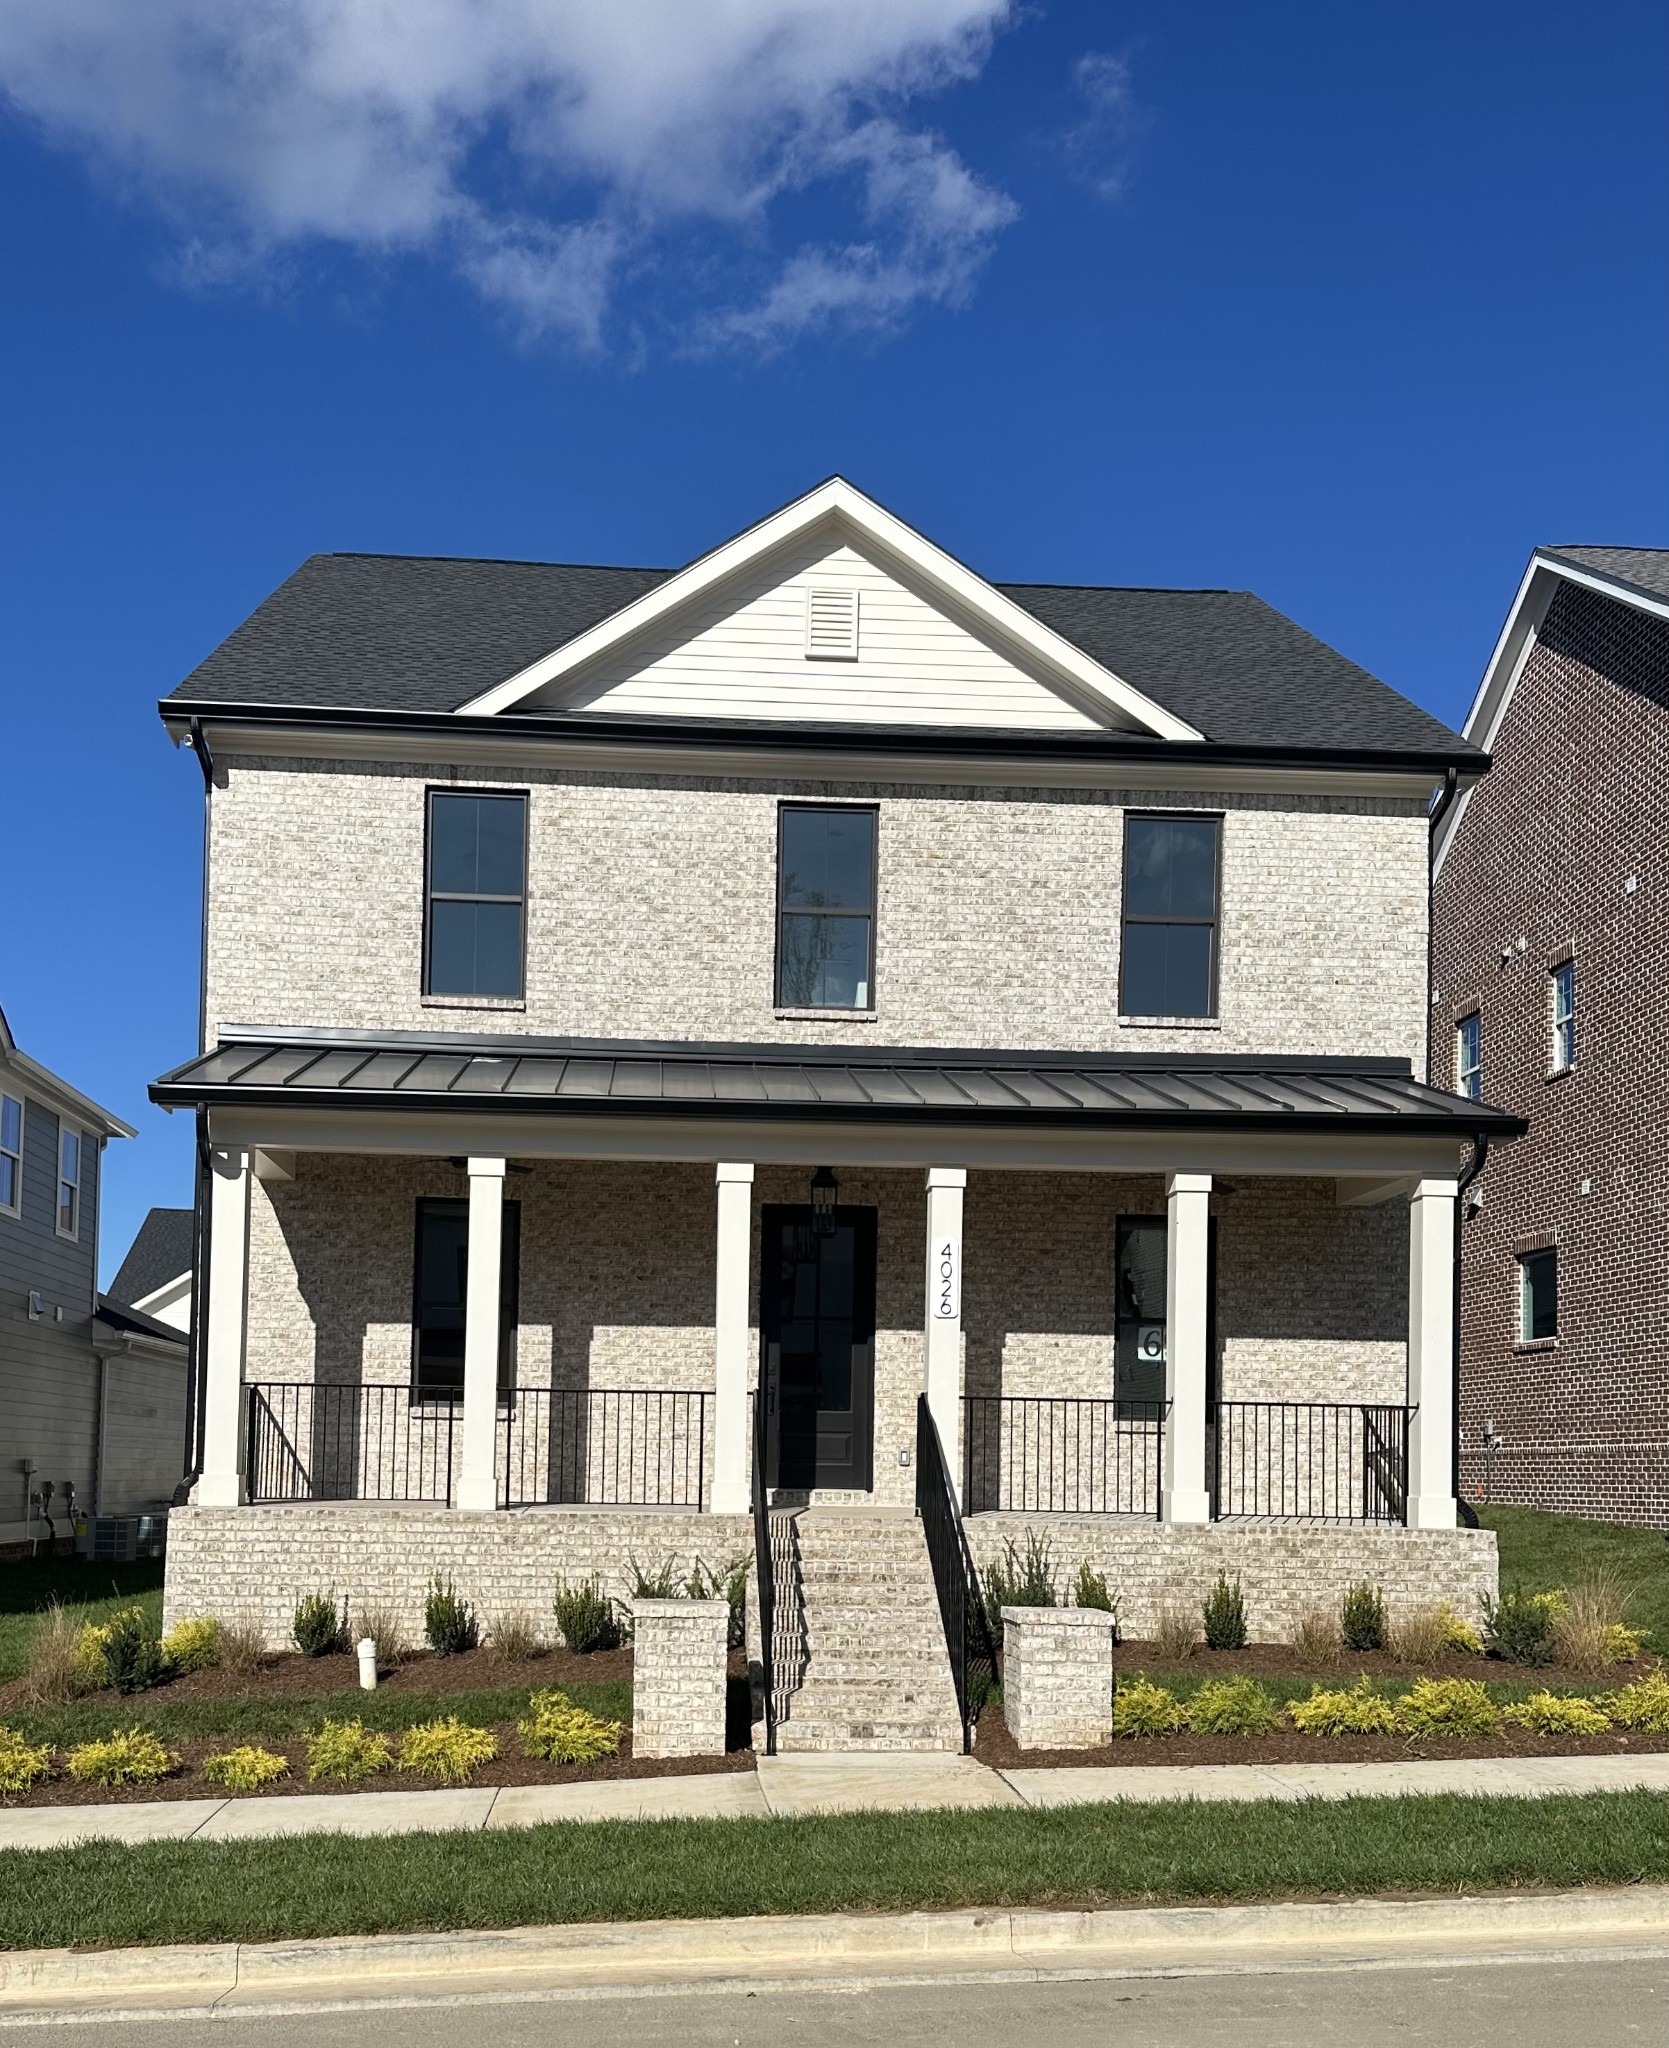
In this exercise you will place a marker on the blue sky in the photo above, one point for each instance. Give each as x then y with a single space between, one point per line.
1348 305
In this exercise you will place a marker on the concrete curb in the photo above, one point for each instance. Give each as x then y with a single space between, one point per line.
825 1949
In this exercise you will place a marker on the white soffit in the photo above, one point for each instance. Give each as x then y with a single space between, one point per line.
844 512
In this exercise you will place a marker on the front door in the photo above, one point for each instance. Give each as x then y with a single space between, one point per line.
817 1325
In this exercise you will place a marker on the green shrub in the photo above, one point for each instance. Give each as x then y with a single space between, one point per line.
728 1583
346 1750
1089 1589
1447 1706
1644 1704
1142 1708
585 1614
1551 1713
1224 1615
448 1622
562 1733
1362 1618
1518 1628
193 1645
320 1627
1358 1711
1231 1706
20 1762
128 1757
1013 1580
448 1750
133 1654
246 1769
661 1581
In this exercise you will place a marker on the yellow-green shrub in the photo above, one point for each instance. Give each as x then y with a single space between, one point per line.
91 1672
193 1645
1459 1635
1231 1706
347 1750
1356 1711
1644 1704
562 1733
246 1769
448 1750
1447 1706
131 1756
1143 1708
1621 1643
1552 1713
20 1762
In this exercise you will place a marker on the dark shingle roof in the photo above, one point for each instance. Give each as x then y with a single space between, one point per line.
415 633
161 1252
1646 569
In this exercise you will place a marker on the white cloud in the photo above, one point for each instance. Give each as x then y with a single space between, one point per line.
551 149
1100 146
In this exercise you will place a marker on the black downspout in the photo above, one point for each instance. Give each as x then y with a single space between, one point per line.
200 1207
1469 1173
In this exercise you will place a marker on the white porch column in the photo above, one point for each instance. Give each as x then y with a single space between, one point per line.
221 1482
732 1448
942 1378
1183 1495
478 1467
1431 1357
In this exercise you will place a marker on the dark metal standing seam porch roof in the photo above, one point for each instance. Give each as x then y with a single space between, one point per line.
541 1076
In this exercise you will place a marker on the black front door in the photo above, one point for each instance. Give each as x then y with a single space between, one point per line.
817 1325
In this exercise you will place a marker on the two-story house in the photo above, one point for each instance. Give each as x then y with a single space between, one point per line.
815 1031
1550 966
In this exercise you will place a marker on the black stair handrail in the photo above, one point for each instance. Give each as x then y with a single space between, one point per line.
764 1577
961 1609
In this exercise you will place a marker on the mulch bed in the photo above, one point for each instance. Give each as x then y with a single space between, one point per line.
1276 1660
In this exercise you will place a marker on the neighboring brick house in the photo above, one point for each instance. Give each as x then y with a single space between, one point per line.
973 1032
1550 965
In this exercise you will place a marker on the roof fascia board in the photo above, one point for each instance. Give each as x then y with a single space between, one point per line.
1094 762
164 1296
58 1096
1609 586
839 502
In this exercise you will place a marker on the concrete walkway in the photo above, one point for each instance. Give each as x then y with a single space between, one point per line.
815 1784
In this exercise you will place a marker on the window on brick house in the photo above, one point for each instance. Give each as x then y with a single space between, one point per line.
440 1289
1538 1286
475 894
1168 957
1563 981
826 907
1469 1056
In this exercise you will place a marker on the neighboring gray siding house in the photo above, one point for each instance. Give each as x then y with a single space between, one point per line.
707 1061
92 1399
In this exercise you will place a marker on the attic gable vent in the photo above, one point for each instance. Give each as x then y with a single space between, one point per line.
831 625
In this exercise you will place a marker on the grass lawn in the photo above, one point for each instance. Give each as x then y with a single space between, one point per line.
110 1894
1542 1551
89 1591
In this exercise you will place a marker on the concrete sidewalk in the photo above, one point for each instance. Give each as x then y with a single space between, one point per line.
886 1782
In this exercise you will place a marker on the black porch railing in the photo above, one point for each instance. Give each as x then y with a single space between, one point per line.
765 1583
1311 1460
973 1662
316 1441
1043 1454
604 1446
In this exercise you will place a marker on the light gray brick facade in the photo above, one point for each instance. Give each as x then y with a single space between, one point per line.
1058 1676
678 1677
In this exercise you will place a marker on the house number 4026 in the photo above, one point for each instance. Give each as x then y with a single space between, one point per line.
946 1303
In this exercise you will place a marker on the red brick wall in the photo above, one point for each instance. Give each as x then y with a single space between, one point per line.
1576 804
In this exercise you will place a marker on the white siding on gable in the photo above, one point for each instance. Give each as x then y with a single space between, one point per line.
745 657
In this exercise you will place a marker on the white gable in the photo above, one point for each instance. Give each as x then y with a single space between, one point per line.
743 654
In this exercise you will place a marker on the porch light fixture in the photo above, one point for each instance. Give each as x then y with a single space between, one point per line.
825 1197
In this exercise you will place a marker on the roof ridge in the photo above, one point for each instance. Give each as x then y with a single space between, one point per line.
500 561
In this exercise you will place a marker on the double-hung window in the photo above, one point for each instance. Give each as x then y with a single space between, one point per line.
475 894
1538 1296
11 1155
1168 963
440 1293
1563 981
69 1181
826 907
1469 1056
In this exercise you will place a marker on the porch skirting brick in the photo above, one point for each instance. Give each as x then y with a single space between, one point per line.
257 1562
1284 1567
678 1677
1058 1676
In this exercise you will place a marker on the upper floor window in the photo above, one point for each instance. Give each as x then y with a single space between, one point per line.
1469 1056
476 894
826 908
11 1154
1538 1297
1564 1015
440 1293
69 1181
1168 966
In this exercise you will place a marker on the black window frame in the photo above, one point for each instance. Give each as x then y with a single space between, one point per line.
509 1303
1214 922
800 910
1548 1255
431 895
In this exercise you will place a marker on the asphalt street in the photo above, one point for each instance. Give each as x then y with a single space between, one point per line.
1586 2001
